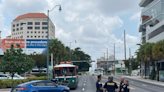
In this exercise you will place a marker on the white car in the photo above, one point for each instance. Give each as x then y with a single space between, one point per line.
8 76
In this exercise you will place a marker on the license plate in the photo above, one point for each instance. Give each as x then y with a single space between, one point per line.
14 89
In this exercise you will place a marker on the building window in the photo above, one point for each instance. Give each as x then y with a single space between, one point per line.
17 29
31 31
21 24
46 36
27 36
18 37
44 23
38 36
31 36
18 24
46 31
30 23
29 27
27 31
44 28
35 31
22 32
42 31
13 25
37 27
13 29
38 31
21 37
42 36
37 23
35 36
156 32
21 28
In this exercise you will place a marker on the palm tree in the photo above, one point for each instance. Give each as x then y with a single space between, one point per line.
141 54
158 53
56 47
148 54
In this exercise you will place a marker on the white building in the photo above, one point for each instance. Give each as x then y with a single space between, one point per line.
152 26
36 27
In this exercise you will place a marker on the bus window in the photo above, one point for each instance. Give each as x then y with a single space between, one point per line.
57 72
64 71
71 71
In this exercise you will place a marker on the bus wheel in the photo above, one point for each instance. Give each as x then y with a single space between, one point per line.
64 91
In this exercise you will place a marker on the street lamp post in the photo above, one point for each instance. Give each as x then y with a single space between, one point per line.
121 68
25 39
70 48
48 39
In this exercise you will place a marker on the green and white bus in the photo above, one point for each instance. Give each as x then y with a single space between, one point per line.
66 74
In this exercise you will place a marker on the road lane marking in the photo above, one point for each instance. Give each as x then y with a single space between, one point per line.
117 83
84 84
144 85
83 89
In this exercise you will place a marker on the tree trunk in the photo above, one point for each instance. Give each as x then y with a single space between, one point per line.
145 70
157 72
39 71
12 75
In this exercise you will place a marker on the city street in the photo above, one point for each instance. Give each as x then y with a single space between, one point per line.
87 84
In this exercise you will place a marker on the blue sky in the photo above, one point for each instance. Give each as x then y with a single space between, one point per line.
95 24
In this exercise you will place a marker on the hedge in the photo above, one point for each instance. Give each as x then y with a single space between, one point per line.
9 82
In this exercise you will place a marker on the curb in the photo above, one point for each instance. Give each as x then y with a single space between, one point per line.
156 84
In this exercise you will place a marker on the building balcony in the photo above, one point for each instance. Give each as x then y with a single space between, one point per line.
144 3
152 3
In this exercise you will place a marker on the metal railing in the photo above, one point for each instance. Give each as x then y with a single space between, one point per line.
150 5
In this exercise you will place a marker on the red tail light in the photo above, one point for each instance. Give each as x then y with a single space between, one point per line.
22 88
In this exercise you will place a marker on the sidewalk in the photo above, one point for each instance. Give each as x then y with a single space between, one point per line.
5 90
138 78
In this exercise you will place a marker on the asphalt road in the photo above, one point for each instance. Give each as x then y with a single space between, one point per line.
87 84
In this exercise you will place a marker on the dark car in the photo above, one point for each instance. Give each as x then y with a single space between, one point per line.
39 86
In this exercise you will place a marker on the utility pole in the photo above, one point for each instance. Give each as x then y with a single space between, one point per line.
130 61
125 46
107 60
114 61
104 63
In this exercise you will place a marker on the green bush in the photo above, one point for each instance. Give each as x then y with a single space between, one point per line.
38 74
9 83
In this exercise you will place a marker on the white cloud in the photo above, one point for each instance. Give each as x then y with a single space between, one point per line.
5 31
135 17
91 23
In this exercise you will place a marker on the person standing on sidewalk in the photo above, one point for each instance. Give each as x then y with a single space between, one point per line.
126 86
121 84
110 86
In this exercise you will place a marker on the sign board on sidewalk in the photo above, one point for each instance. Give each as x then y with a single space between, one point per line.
161 75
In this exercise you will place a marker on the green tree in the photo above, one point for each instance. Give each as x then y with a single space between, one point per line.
133 63
58 49
40 59
77 55
158 54
149 58
14 61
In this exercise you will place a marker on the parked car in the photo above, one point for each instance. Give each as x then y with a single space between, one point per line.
28 75
8 76
40 86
